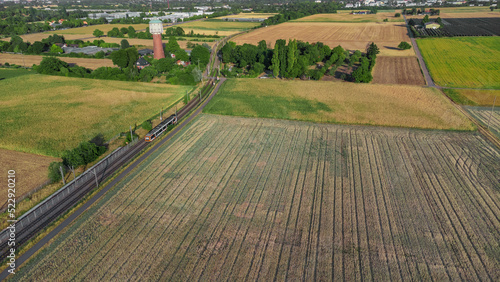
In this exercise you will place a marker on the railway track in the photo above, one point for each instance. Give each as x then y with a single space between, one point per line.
82 188
28 231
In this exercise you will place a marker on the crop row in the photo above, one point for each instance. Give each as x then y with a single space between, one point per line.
462 27
249 199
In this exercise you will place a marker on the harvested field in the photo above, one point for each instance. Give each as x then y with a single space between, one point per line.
249 199
39 36
338 102
346 17
474 97
469 62
463 12
31 172
487 117
398 70
352 36
219 27
46 115
29 60
251 15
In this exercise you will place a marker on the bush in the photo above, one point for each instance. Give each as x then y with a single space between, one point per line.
54 172
147 125
397 15
404 45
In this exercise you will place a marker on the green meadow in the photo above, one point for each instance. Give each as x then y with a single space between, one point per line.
49 114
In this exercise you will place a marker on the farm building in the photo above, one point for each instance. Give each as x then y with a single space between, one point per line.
89 50
145 52
432 25
142 63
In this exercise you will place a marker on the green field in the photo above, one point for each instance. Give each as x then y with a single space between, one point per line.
49 114
11 73
243 199
338 102
474 97
469 62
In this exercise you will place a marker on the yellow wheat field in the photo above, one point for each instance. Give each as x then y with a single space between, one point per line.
248 16
347 17
338 102
29 60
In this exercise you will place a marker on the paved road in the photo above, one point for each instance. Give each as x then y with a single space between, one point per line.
20 260
427 76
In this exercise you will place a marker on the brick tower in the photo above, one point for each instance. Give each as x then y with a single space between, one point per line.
156 28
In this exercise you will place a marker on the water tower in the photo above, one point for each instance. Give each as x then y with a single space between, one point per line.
156 28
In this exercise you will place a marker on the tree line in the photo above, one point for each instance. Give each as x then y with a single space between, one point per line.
125 59
294 60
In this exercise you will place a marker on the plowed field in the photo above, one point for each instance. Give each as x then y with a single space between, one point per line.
398 70
353 36
250 199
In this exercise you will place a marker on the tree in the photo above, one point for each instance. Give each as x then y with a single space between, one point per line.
131 32
227 52
282 55
200 55
72 159
124 44
147 73
123 30
51 65
172 46
54 171
426 19
258 68
164 64
404 45
120 58
98 33
291 59
132 56
372 51
37 47
492 8
182 55
397 15
275 61
197 74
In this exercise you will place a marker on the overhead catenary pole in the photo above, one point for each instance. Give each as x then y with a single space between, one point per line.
96 182
62 175
161 114
492 107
